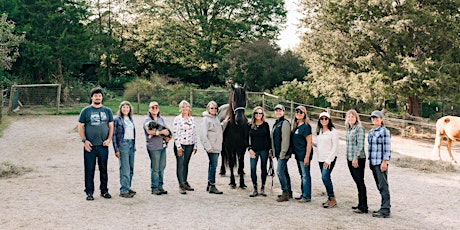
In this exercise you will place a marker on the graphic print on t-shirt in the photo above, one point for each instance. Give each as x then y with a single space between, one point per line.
97 118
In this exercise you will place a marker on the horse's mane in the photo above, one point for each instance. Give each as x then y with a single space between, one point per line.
237 98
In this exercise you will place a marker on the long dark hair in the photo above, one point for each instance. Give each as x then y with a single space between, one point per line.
319 126
130 114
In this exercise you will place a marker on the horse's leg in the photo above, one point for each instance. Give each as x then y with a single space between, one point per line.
241 169
449 149
232 178
437 144
222 167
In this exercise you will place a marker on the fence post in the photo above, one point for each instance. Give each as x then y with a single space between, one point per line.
263 102
292 109
58 99
138 100
191 98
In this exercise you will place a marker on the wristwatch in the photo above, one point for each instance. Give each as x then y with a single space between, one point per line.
83 140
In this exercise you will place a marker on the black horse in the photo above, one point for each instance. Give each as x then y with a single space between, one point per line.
235 134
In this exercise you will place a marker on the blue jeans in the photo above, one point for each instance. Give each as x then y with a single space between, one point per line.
126 161
157 168
283 175
182 162
213 157
381 179
326 176
306 180
101 153
263 166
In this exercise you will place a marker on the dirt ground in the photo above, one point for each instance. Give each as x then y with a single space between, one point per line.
51 195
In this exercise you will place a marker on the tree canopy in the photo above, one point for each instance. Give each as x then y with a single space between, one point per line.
376 51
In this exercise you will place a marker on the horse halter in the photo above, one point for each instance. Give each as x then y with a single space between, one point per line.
238 108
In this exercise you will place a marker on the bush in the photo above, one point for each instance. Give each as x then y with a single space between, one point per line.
139 87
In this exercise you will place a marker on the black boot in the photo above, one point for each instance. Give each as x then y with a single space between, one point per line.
214 190
207 188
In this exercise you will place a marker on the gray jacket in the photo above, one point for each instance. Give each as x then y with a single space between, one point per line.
211 135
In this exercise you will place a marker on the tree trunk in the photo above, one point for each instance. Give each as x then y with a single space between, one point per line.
414 106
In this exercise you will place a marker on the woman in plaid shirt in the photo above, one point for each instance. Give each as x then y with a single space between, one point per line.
379 154
356 157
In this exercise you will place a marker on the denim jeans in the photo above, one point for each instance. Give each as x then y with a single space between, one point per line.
306 180
101 153
213 158
126 161
358 177
283 175
326 176
182 162
381 179
263 166
157 168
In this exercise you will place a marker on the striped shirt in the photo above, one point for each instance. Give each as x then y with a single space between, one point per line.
379 145
354 139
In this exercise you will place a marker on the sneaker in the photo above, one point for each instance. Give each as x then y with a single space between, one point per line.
156 192
163 191
359 211
380 215
132 192
262 192
182 190
89 197
127 195
106 195
303 201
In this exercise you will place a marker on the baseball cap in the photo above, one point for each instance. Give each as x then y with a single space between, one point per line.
377 113
301 108
279 106
324 114
153 103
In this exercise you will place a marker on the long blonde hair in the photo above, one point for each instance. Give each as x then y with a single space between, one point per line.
355 114
253 119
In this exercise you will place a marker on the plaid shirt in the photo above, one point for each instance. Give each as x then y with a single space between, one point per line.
379 145
354 139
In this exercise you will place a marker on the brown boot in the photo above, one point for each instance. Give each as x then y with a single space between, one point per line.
331 203
283 197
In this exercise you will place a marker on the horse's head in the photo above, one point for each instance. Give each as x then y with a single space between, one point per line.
238 105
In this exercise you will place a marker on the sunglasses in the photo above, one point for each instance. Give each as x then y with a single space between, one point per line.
154 107
258 113
324 119
212 108
299 112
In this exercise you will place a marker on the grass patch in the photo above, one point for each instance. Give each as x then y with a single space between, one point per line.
9 170
424 165
5 122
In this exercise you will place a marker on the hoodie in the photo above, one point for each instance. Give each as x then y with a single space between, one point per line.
211 134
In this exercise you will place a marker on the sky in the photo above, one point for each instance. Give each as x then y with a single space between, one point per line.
289 37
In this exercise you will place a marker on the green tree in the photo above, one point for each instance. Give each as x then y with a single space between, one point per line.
194 35
375 51
9 43
56 41
261 66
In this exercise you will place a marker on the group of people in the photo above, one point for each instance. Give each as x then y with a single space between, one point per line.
97 128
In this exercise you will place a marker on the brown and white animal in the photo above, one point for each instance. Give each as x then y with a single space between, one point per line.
448 126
